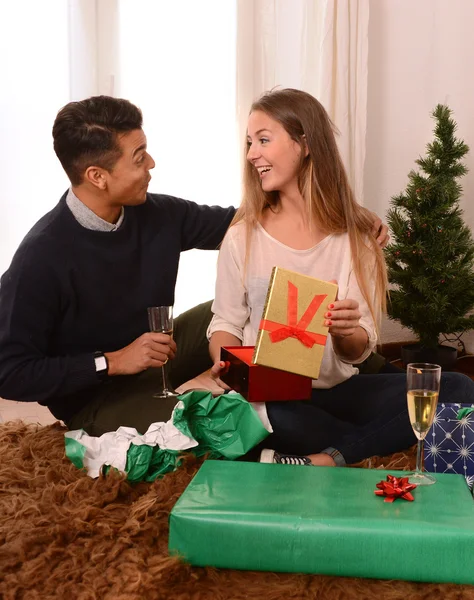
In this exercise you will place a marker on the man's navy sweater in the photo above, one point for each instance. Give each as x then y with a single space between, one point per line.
71 291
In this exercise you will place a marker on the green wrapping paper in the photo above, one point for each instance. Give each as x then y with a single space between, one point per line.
226 426
323 520
146 463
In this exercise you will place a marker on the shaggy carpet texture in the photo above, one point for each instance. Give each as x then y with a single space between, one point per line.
65 535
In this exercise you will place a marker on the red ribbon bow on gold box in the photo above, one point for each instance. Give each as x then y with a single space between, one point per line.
295 328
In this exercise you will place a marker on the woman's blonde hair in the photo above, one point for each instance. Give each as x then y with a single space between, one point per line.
324 186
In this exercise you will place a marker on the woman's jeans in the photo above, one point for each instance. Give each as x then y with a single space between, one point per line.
364 416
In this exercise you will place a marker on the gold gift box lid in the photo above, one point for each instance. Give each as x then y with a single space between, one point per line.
292 334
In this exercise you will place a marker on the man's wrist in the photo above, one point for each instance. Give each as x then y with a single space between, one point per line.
112 363
101 365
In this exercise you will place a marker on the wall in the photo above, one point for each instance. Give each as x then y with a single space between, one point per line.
420 54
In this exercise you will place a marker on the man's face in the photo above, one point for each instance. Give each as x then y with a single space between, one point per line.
127 182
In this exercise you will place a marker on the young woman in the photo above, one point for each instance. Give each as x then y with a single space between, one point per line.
299 212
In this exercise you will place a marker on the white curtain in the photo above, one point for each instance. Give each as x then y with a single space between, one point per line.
269 34
320 46
335 67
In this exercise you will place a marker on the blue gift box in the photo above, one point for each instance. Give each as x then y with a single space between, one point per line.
449 444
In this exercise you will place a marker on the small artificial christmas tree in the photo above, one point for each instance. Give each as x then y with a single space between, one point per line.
430 260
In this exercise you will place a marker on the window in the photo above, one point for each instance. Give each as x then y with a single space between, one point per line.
177 63
35 84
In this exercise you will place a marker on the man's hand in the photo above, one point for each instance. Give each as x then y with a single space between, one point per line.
149 350
380 231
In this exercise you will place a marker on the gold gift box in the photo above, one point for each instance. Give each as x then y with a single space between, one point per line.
292 335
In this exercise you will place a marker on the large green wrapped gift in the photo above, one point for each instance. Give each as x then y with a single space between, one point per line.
324 520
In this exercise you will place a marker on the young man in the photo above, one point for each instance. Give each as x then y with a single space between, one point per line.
74 333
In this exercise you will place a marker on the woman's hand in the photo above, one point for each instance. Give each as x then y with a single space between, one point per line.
349 339
219 368
342 317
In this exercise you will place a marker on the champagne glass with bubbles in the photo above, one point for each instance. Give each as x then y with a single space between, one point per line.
422 394
160 319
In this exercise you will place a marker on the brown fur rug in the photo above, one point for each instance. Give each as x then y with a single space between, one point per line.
64 535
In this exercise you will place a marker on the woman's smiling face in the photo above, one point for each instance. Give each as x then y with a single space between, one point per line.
273 153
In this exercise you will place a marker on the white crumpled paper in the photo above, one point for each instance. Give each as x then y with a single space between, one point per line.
111 448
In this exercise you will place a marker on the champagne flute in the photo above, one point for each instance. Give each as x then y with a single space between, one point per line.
422 395
160 319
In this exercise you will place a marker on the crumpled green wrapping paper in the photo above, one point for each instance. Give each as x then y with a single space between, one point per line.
146 463
225 427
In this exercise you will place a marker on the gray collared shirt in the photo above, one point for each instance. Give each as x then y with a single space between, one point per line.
87 218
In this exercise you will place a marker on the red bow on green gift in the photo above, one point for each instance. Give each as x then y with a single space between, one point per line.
395 487
295 328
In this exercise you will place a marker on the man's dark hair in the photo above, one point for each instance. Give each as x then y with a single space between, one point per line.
85 133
